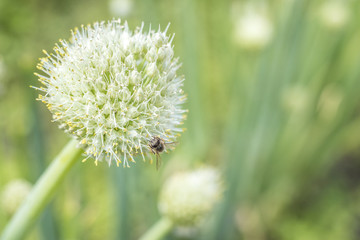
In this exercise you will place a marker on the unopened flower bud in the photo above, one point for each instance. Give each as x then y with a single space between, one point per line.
187 197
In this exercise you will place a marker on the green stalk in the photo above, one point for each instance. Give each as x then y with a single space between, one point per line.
41 193
159 230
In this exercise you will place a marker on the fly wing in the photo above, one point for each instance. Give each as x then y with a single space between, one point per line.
171 145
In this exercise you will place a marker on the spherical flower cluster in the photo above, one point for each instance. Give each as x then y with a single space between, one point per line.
334 14
187 197
14 194
114 89
121 8
252 29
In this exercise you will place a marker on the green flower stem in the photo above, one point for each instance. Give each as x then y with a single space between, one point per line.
159 230
41 193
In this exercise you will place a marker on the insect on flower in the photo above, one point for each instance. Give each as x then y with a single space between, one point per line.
111 88
157 145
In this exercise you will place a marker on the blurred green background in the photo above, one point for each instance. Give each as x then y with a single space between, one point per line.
273 99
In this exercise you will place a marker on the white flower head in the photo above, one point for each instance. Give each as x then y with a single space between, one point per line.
252 28
13 194
113 89
121 8
187 197
334 14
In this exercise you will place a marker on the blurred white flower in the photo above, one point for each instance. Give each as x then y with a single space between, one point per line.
121 8
334 14
187 197
13 194
252 28
113 89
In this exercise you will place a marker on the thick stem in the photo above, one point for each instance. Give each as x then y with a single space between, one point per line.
41 193
159 230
